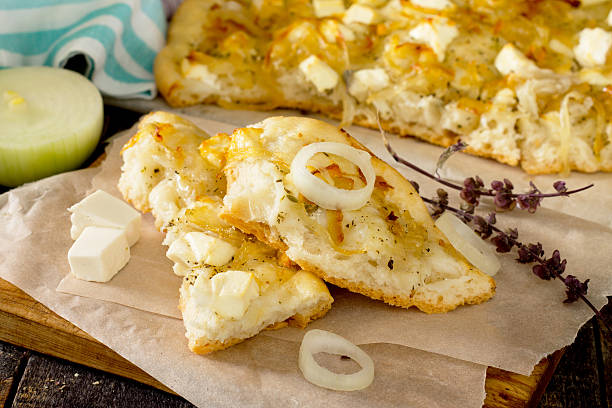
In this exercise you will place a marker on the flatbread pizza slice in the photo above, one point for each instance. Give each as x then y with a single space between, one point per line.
234 286
304 187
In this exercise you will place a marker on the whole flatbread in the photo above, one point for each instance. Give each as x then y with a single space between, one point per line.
515 80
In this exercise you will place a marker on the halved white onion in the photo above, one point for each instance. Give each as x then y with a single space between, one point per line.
50 121
327 196
321 341
464 240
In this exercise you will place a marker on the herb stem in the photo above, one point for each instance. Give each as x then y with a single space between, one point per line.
519 244
577 190
416 168
588 303
504 198
486 192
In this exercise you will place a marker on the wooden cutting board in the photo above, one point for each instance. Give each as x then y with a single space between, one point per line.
25 322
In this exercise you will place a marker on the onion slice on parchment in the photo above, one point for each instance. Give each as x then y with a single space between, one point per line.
321 341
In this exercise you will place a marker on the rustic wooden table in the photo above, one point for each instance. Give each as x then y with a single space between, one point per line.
45 361
32 379
32 338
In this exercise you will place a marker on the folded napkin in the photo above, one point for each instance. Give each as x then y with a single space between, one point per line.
117 38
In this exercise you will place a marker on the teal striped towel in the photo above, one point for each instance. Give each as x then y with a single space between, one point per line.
118 38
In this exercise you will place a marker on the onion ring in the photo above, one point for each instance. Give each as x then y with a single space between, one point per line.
317 341
327 196
464 240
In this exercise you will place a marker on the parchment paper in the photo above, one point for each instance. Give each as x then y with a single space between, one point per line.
261 372
525 321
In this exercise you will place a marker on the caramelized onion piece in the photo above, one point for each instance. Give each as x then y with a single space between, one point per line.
321 193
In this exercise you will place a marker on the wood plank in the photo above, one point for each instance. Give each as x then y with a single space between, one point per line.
11 361
511 390
50 382
576 383
547 372
605 339
27 323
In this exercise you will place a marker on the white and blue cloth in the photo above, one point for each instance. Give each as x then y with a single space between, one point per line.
118 38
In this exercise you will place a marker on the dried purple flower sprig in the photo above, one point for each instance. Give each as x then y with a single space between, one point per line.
544 268
447 153
473 187
504 199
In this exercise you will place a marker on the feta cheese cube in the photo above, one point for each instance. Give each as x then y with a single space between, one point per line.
197 248
437 33
527 98
559 47
164 200
326 8
301 31
365 81
331 30
593 46
262 5
200 72
99 253
595 77
433 4
232 6
233 292
359 13
322 76
101 209
371 3
430 109
511 60
505 97
180 252
210 250
180 269
457 119
346 33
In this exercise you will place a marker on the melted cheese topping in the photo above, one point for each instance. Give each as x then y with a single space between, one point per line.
436 53
378 245
234 286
